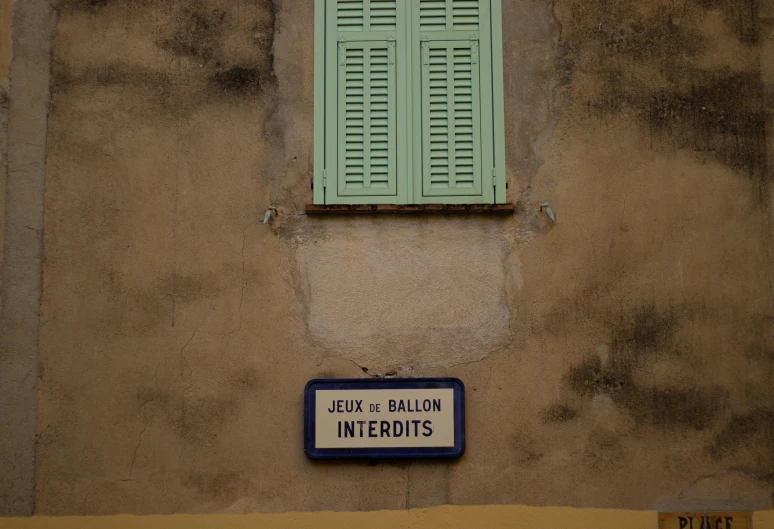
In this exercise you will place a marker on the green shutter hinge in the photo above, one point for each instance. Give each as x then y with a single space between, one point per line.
494 177
474 52
391 48
342 55
325 178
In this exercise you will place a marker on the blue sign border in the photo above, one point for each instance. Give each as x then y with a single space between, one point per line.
384 453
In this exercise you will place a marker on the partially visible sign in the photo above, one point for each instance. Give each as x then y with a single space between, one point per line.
709 520
384 418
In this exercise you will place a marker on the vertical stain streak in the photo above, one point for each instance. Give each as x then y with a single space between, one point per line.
174 226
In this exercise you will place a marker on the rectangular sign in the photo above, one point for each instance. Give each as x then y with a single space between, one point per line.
704 520
384 418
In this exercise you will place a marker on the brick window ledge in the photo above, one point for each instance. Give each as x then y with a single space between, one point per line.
422 209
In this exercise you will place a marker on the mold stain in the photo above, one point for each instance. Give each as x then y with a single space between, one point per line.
622 32
717 113
590 378
525 451
661 407
611 30
671 407
559 413
741 15
191 31
603 451
746 441
238 80
247 379
198 33
76 5
647 331
740 430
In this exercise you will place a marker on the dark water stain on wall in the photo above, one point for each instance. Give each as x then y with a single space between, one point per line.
198 36
662 407
559 413
740 430
744 435
647 330
590 378
80 4
247 378
525 450
198 32
741 15
720 113
621 31
637 339
715 111
238 81
604 451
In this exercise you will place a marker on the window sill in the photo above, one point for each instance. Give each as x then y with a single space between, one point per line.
421 209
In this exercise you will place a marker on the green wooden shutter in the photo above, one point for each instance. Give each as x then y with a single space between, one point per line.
409 105
453 102
363 79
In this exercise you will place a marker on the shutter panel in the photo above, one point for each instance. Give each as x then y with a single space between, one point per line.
453 102
363 74
366 119
451 119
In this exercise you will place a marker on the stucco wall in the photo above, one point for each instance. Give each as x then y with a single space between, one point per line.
620 357
23 110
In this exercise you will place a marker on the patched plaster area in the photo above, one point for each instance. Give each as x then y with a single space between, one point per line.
386 293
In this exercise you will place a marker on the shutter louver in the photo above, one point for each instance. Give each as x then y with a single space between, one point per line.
449 15
350 15
465 15
366 15
432 15
383 15
451 121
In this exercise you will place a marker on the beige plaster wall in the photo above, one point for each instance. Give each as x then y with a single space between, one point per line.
620 357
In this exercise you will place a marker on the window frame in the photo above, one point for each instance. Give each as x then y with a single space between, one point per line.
411 180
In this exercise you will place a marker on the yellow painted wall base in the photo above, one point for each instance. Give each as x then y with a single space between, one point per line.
490 517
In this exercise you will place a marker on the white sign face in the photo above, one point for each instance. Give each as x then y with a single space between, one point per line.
384 418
